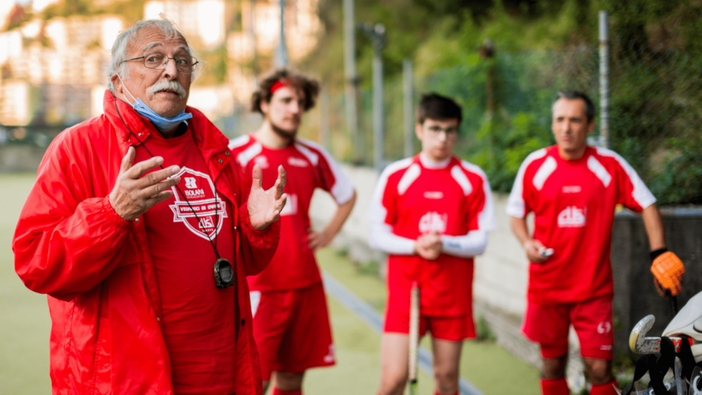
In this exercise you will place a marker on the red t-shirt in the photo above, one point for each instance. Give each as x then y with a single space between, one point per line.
308 166
414 199
574 202
197 317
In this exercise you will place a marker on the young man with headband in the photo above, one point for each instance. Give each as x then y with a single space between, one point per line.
573 190
291 323
431 214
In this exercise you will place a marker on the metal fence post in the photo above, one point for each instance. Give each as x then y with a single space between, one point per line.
281 54
604 80
377 35
378 131
324 107
351 81
408 102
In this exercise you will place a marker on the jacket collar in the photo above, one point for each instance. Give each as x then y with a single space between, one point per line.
209 140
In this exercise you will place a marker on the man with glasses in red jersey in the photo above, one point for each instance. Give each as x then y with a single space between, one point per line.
431 214
291 322
573 190
139 231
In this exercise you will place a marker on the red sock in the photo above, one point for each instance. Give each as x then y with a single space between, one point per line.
555 387
604 389
276 391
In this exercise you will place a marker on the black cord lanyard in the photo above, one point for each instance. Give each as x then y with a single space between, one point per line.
223 271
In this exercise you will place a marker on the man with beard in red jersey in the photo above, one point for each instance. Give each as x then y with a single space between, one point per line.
291 322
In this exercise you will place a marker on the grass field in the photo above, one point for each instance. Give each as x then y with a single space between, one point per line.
25 325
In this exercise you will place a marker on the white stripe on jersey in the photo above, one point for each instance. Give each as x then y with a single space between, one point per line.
547 168
515 203
238 141
381 236
462 180
486 219
311 156
376 211
596 167
408 178
246 155
342 190
641 193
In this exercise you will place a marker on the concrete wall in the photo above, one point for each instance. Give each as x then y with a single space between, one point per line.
635 294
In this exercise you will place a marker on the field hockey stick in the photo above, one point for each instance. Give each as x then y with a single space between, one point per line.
413 337
641 344
673 302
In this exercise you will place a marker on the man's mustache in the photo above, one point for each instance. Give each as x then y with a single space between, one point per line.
165 85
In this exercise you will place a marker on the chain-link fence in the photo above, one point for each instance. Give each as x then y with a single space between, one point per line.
655 112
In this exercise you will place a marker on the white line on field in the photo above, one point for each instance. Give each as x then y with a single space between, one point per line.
375 321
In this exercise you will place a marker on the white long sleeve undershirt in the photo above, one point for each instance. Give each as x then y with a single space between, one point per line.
470 245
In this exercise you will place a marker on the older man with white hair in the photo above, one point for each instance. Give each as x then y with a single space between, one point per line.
138 232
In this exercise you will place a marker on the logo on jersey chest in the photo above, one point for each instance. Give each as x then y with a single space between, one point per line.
572 189
196 206
290 207
297 162
433 195
572 217
261 161
433 222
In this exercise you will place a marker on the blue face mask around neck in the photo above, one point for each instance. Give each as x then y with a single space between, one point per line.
162 123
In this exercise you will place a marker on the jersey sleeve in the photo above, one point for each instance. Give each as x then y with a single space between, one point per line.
631 190
481 219
518 201
382 214
333 179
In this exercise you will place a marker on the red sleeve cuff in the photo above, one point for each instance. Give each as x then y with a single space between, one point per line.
263 239
112 215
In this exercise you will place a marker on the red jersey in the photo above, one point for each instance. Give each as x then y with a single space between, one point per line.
573 203
308 166
415 196
196 315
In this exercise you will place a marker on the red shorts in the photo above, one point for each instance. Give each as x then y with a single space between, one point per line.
291 329
592 320
444 328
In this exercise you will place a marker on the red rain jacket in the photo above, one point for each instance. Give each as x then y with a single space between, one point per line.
96 267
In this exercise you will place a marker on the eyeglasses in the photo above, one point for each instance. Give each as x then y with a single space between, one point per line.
451 132
159 61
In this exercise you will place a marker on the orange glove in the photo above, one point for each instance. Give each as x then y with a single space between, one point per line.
668 270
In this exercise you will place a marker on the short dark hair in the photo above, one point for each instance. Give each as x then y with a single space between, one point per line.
434 106
573 95
308 86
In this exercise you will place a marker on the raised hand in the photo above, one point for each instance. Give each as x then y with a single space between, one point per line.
133 194
265 206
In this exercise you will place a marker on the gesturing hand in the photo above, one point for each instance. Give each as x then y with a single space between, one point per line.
265 206
133 194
